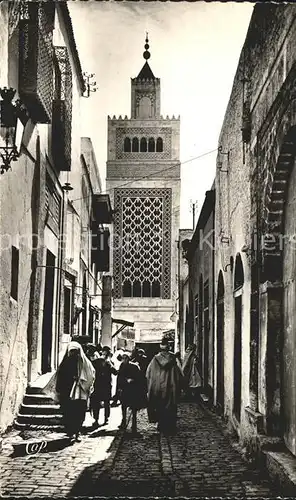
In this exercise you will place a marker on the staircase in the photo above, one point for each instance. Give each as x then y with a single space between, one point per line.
38 411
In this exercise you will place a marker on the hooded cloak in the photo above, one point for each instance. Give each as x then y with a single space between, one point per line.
163 380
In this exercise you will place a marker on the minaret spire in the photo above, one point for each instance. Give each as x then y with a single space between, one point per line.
146 54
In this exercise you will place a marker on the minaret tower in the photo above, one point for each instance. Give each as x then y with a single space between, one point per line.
143 181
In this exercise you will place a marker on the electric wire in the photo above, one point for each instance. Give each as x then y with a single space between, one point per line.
150 175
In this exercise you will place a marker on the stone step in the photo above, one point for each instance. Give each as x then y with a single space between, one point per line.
40 445
40 409
37 386
37 399
204 398
34 390
47 420
34 427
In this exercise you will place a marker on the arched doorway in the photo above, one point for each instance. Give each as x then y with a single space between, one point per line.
187 327
206 333
220 343
237 348
200 328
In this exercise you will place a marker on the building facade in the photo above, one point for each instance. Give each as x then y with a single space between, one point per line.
251 343
143 180
255 227
42 199
199 326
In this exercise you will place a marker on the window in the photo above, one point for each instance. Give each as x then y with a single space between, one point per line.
52 206
135 145
127 145
145 108
159 145
142 263
143 145
14 272
142 255
151 145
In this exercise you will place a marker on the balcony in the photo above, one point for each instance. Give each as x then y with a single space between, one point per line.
102 209
100 250
36 61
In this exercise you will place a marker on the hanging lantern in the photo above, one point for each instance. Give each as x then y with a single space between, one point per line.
13 118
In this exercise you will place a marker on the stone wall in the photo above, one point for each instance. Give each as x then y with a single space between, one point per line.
250 202
16 222
25 226
200 257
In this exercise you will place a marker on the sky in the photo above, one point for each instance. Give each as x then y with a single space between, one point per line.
195 48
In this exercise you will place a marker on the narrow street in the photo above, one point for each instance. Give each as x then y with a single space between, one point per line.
198 461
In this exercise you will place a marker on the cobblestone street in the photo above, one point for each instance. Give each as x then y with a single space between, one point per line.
198 461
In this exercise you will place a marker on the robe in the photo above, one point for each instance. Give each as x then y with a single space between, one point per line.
164 381
192 377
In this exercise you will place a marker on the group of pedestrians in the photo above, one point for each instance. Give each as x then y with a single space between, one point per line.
84 381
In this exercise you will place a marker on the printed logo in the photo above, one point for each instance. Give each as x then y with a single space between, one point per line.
35 448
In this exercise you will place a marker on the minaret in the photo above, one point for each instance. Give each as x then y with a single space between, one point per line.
143 181
145 98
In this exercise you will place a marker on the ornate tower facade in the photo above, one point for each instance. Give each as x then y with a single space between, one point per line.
143 181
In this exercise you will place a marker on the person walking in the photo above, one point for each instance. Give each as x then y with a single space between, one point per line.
104 369
74 380
192 379
92 352
130 390
139 356
117 363
164 378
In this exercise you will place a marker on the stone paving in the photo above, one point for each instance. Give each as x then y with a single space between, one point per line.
198 461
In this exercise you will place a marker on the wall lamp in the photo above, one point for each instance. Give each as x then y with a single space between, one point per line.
13 119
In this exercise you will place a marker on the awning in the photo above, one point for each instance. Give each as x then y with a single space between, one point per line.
123 324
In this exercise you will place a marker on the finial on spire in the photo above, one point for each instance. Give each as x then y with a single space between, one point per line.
146 54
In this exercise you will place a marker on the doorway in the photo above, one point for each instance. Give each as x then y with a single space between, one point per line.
47 324
206 333
237 358
237 347
220 344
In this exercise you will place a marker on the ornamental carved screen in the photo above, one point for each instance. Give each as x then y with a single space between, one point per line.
142 243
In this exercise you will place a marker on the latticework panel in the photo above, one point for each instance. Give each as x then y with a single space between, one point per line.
36 63
142 243
151 132
15 9
62 57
